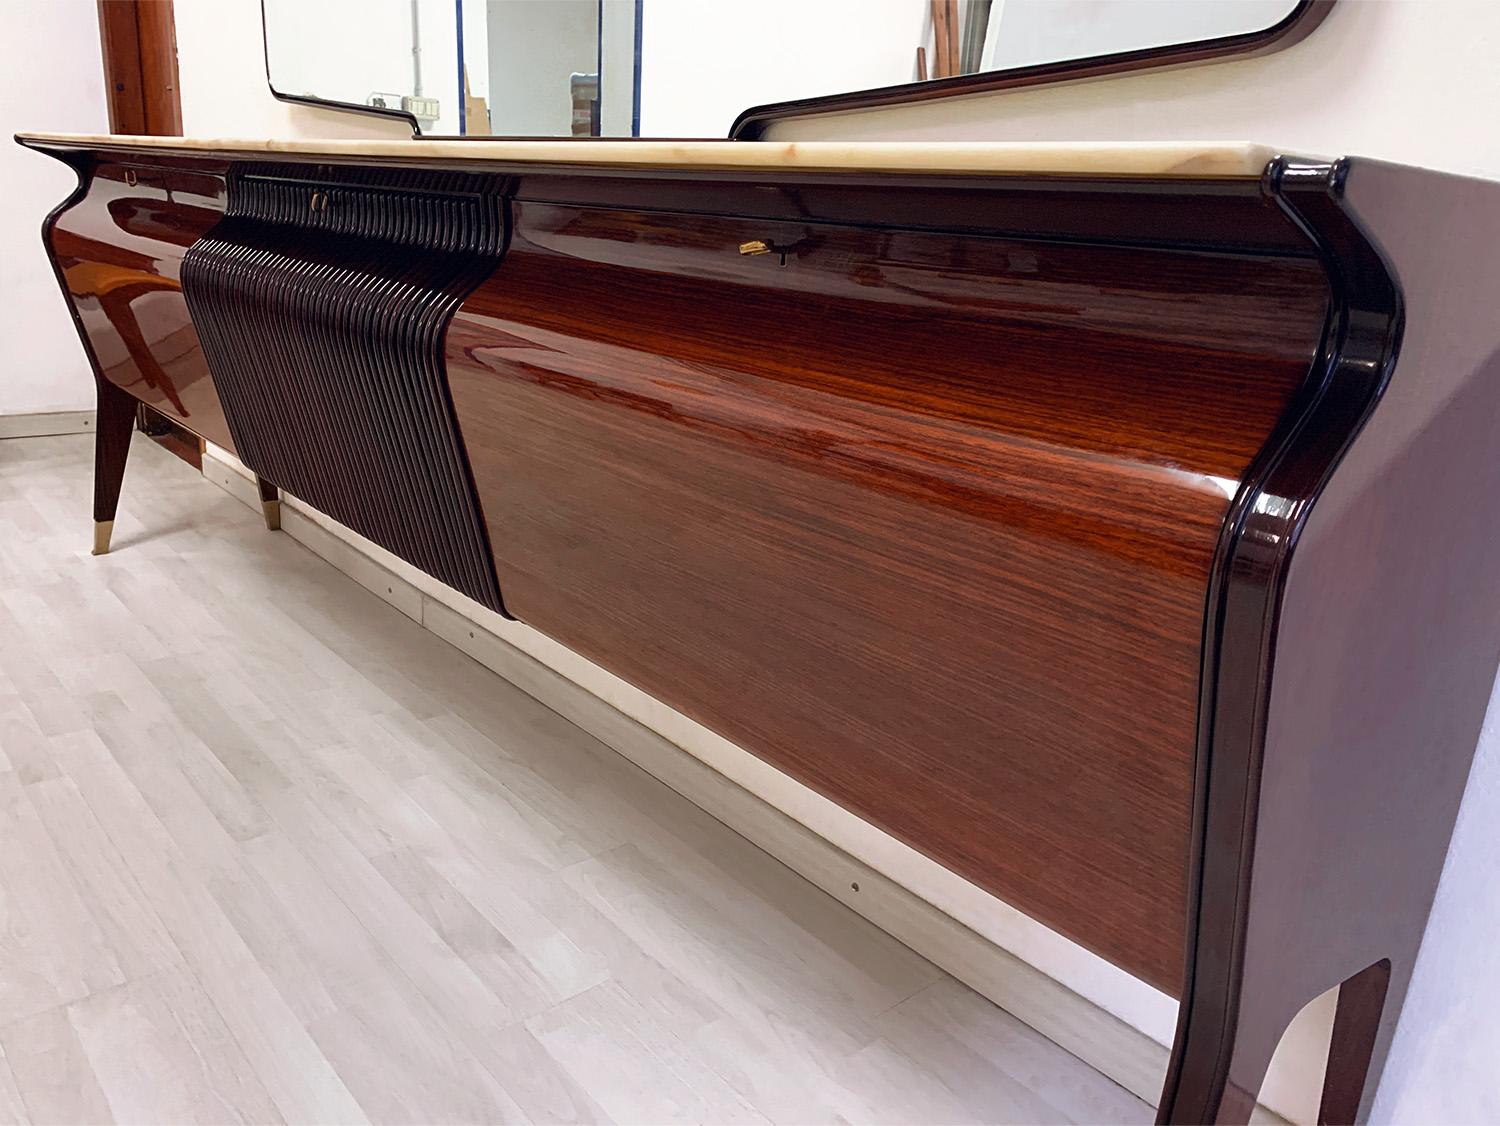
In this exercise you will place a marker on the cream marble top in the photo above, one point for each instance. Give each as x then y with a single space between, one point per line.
1195 160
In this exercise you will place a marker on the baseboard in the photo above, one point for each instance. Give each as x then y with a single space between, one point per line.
46 424
1111 1046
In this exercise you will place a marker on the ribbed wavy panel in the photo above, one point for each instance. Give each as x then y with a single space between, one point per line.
322 298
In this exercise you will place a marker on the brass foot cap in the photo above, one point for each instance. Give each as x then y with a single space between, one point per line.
271 509
102 531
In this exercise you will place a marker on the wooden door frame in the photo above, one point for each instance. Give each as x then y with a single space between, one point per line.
139 41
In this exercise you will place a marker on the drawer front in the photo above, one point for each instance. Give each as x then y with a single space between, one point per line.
924 520
322 300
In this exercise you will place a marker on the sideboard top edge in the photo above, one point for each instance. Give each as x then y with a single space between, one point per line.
1147 159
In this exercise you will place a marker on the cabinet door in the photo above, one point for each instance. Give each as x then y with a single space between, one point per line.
923 519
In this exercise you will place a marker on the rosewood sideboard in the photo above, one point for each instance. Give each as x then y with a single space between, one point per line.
1115 525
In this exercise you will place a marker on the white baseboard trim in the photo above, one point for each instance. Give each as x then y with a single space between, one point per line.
46 424
1111 1046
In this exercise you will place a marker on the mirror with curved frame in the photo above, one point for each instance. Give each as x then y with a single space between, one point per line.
689 68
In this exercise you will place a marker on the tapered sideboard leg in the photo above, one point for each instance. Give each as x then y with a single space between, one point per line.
1359 1027
116 420
270 503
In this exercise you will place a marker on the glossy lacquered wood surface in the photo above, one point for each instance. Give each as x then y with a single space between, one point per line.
120 250
925 520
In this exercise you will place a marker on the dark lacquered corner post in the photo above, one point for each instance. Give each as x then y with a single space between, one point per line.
1358 634
1235 1009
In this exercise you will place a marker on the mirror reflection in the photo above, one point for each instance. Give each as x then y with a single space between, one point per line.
688 68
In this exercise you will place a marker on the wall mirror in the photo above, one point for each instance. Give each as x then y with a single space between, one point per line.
690 68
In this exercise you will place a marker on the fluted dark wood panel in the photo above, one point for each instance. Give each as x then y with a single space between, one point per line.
322 300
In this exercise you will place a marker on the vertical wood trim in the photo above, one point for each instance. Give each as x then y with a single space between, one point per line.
119 38
139 46
156 28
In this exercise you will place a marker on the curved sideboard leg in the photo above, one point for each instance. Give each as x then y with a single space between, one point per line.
116 420
1205 1092
1221 1075
270 503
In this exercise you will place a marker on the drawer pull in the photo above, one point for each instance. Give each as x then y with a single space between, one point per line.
760 246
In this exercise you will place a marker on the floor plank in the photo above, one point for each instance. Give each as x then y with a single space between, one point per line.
52 1078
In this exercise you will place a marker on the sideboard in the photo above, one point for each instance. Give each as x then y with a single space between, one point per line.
1116 525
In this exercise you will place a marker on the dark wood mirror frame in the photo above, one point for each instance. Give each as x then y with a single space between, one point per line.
751 125
1294 27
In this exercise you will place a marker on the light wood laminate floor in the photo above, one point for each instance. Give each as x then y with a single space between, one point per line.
271 852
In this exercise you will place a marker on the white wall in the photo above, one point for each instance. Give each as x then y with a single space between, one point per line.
222 74
616 67
704 62
55 82
1405 80
1413 81
1443 1066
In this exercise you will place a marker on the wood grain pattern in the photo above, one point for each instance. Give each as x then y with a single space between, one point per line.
120 48
925 521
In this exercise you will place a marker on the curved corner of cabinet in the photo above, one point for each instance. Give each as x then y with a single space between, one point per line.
116 245
1356 636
